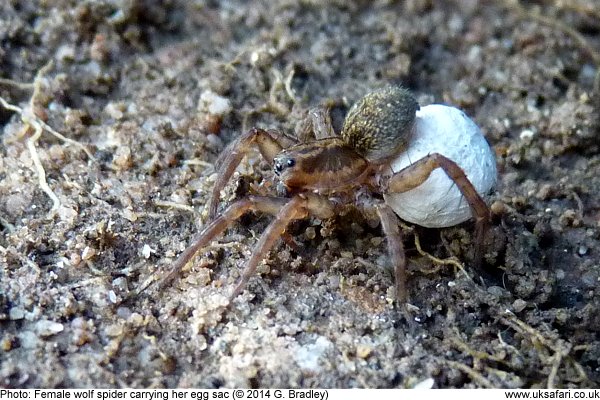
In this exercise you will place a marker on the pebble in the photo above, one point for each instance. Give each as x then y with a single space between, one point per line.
214 104
519 305
46 328
16 313
425 384
363 351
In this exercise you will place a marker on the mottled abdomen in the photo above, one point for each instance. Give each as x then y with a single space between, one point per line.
379 125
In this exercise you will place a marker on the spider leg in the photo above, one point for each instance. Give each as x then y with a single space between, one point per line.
389 223
297 208
267 205
321 123
316 125
269 144
417 173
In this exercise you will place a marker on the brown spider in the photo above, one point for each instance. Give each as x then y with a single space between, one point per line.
322 175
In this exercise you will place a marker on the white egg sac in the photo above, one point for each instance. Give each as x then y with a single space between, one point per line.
438 202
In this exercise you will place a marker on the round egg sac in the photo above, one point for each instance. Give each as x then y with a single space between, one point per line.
438 202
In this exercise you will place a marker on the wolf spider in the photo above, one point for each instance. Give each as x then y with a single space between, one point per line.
324 174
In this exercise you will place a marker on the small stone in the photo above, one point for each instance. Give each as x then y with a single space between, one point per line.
498 207
136 319
201 342
75 259
28 339
519 305
45 328
116 110
8 343
16 203
130 215
546 191
112 296
88 253
147 251
590 280
214 104
425 384
114 330
526 134
67 214
16 313
363 351
120 284
65 53
123 312
308 356
122 158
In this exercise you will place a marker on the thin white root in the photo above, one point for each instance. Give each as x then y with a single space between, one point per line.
31 121
41 172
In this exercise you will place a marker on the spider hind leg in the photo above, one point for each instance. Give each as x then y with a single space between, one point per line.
418 172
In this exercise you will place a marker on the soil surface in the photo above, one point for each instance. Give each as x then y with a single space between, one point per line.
154 90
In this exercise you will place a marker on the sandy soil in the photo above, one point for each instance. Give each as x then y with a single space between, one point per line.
126 79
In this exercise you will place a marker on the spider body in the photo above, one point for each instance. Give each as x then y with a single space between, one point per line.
320 176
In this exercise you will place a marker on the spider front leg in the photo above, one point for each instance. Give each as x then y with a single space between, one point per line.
300 206
269 144
417 173
267 205
285 211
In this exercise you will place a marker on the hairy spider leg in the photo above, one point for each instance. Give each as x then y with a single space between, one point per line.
389 223
285 211
316 125
300 206
269 143
269 205
321 123
417 173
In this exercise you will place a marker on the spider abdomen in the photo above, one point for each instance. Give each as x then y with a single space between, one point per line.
379 125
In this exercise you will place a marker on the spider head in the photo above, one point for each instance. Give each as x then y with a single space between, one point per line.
288 168
283 162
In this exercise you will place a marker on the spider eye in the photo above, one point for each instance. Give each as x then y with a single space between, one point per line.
280 164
